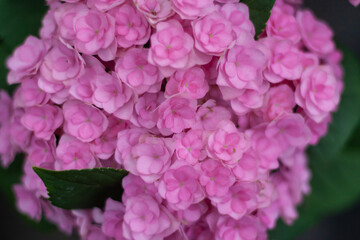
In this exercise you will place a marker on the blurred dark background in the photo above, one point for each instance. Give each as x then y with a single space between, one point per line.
345 20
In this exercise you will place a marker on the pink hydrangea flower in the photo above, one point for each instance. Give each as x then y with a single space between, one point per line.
113 219
239 200
209 115
268 216
193 213
60 217
283 25
285 62
189 9
248 101
181 187
318 92
126 140
41 153
242 68
298 175
32 182
135 186
170 45
83 220
61 64
267 149
104 5
266 194
26 59
73 154
155 10
64 16
48 25
316 34
94 31
51 87
289 130
175 115
189 83
42 120
278 100
213 34
104 146
286 206
145 219
247 168
144 155
238 15
20 136
29 94
83 87
190 147
172 48
82 121
131 27
7 148
27 202
215 178
248 228
334 59
61 96
150 159
87 221
227 143
113 96
134 70
318 130
145 114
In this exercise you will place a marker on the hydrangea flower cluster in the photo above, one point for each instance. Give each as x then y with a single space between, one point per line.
211 124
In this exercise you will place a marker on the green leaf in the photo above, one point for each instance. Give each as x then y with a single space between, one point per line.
335 171
87 188
260 11
345 120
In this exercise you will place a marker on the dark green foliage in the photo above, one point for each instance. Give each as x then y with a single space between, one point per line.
87 188
259 13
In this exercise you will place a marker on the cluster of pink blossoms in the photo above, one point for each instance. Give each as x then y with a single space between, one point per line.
211 124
